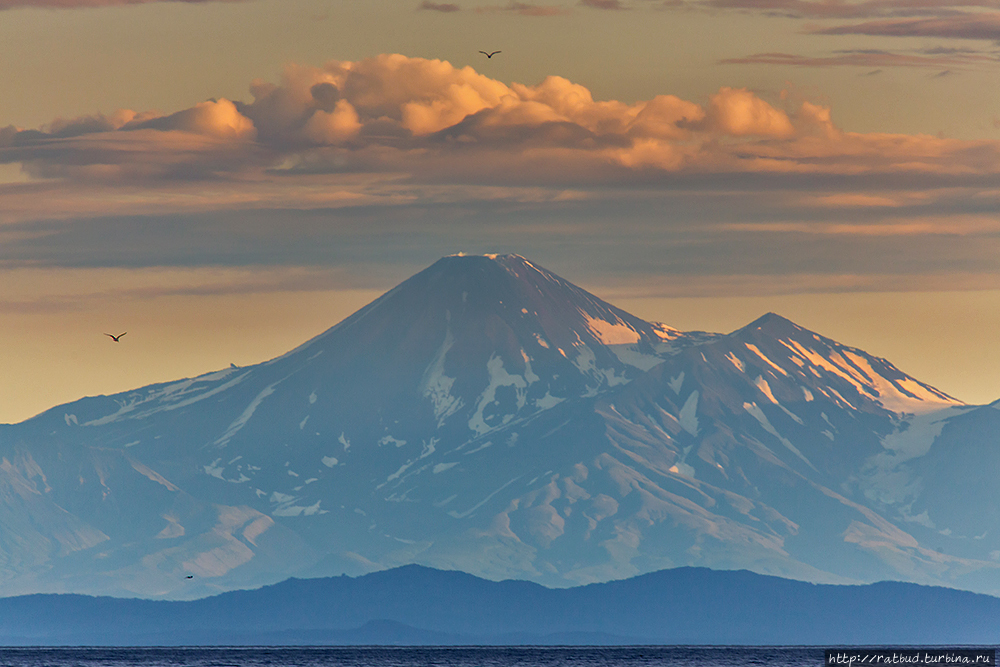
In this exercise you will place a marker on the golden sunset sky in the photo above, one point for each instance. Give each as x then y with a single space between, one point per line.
226 179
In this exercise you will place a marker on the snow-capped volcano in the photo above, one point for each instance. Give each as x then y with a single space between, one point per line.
461 348
485 415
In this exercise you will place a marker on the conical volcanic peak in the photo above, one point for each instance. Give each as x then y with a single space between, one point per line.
493 329
484 318
507 287
514 288
467 347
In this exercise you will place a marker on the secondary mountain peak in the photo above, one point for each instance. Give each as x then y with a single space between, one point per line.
860 380
773 324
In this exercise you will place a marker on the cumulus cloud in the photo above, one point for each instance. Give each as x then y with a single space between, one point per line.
738 112
430 122
210 138
215 118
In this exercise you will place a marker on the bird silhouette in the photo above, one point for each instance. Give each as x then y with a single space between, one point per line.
489 55
190 576
114 337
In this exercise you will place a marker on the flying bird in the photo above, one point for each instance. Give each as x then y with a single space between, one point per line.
489 55
114 337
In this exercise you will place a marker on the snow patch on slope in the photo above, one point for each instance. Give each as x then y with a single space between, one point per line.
498 378
586 363
173 396
288 509
765 388
242 420
630 355
736 362
761 418
756 350
883 477
902 395
664 332
462 515
611 333
687 417
548 401
389 440
436 386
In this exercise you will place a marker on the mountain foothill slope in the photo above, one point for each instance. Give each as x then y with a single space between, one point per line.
488 416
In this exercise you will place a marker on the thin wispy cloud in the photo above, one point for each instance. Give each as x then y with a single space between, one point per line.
979 26
614 5
76 4
445 7
525 9
843 9
867 58
813 9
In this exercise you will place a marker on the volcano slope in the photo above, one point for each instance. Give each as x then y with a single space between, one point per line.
488 416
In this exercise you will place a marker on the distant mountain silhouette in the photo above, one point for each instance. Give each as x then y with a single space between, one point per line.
418 605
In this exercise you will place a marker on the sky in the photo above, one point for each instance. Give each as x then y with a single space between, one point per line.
224 179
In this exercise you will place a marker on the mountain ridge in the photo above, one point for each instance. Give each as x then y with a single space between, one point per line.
489 416
417 605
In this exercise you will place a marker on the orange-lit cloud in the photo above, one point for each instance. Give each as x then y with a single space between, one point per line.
434 122
406 135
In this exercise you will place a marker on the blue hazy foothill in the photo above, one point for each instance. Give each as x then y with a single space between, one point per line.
414 605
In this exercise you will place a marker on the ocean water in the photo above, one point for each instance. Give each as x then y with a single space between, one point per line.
486 656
